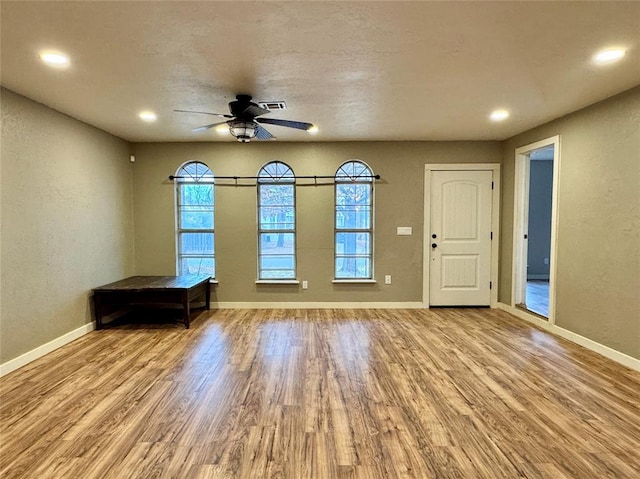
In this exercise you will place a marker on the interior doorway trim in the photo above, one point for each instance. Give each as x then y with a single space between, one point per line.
520 222
495 223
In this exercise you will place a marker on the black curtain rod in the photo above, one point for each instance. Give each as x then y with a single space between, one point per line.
173 177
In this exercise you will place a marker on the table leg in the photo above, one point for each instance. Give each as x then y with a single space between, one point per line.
97 309
186 309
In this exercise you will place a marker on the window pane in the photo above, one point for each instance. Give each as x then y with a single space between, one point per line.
277 226
277 243
196 217
352 244
353 217
277 256
278 274
196 194
196 243
277 262
277 212
353 194
195 171
348 267
354 170
276 195
201 265
277 217
276 171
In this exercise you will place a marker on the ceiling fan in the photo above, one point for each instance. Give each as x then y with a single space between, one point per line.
244 123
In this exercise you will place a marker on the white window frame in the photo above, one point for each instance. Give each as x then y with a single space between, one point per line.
184 177
284 177
365 177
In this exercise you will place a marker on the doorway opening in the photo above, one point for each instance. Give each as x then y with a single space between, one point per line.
535 215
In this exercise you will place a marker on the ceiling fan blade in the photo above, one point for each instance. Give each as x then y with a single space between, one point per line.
299 125
221 115
262 133
253 110
206 127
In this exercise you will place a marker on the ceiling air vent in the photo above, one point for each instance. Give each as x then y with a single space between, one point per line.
273 105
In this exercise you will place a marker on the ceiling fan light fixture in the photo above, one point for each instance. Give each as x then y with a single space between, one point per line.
222 129
610 55
312 130
499 115
243 130
55 59
148 116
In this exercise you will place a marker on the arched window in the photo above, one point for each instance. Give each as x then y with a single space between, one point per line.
276 222
354 221
195 236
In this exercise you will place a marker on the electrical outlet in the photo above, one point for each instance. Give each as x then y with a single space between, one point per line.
387 279
305 285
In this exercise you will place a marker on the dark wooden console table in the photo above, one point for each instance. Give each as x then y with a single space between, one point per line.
146 290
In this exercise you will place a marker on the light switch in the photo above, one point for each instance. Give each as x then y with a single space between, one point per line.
404 231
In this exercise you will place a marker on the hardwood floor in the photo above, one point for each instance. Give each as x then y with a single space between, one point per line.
442 393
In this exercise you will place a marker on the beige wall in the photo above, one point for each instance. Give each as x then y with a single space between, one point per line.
69 197
398 196
598 267
67 222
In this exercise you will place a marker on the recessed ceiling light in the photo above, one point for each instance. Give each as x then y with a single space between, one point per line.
55 59
147 116
610 55
499 115
313 130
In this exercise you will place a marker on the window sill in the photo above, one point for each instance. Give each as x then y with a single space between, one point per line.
354 281
277 281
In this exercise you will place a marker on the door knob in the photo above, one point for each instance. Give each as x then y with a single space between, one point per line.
434 245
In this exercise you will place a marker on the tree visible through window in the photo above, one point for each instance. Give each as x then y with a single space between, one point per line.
276 222
195 234
354 221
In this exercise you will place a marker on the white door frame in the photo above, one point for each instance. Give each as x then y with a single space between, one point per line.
495 223
521 222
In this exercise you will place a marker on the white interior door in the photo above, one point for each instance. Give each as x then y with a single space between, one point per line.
460 269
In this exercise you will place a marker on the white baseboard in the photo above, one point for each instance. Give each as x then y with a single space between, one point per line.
317 305
26 358
594 346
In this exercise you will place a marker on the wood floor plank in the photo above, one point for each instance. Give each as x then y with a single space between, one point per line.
442 393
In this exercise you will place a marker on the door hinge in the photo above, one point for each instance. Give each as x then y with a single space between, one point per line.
492 185
492 235
490 284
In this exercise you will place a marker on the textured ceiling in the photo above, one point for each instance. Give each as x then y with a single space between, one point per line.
359 70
